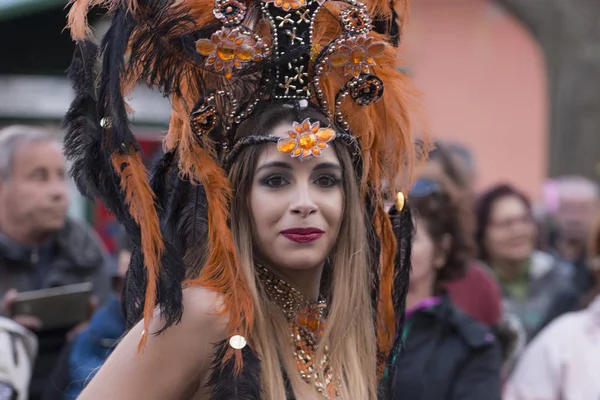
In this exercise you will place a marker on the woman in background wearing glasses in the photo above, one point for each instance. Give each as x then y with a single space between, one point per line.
536 286
447 354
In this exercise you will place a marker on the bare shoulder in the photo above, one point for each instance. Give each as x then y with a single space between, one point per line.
203 311
187 348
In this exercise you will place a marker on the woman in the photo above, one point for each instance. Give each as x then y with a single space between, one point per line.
477 293
447 354
563 361
536 286
250 237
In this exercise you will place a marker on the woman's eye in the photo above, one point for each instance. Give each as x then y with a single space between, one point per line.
274 181
327 181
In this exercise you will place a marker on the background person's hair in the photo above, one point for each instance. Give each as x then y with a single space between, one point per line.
483 212
350 329
441 154
447 213
568 184
14 136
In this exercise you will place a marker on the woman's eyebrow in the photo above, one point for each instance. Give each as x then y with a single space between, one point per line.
327 165
274 164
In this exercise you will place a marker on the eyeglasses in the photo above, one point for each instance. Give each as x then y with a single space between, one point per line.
508 223
424 187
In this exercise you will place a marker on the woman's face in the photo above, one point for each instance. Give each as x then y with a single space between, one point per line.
425 259
296 206
510 233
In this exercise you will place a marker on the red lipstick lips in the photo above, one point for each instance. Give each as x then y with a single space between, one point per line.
302 235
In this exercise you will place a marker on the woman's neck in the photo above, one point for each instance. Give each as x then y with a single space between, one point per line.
417 293
305 281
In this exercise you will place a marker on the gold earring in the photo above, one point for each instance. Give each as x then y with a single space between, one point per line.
399 201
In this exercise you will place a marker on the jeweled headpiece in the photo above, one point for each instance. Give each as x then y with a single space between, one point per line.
219 61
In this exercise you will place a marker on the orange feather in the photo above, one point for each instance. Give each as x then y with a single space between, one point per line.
140 199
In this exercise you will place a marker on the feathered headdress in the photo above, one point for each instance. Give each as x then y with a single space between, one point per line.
218 61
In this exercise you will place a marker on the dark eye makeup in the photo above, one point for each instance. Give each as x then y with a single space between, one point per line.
274 180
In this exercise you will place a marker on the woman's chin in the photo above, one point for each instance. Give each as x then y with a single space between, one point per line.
301 260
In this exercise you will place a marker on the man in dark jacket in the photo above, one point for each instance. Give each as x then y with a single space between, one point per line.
39 246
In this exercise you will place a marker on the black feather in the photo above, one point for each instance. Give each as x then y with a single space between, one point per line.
82 139
134 291
402 224
110 99
161 56
83 143
388 26
225 384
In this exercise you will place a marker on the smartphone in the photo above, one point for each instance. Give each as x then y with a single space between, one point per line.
58 307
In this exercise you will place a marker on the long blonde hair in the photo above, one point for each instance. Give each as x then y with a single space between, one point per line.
350 330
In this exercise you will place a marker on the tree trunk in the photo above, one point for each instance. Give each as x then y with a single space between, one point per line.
569 33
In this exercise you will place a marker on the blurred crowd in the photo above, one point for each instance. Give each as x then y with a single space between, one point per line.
503 299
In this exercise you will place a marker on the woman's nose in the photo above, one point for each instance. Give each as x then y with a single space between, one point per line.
303 203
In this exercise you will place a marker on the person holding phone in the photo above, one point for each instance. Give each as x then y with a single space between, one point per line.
40 247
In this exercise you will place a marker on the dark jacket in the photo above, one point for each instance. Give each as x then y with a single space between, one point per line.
550 292
74 255
82 358
447 356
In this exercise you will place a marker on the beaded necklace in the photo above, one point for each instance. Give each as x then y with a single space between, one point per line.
306 323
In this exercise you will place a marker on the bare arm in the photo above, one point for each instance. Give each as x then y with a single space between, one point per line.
172 364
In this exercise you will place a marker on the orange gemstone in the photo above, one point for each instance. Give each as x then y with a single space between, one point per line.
297 152
305 125
205 47
307 141
358 55
376 49
314 128
325 134
244 52
339 59
295 5
292 134
316 152
218 65
302 318
313 322
298 128
239 41
226 51
228 74
286 145
237 63
278 3
322 145
306 153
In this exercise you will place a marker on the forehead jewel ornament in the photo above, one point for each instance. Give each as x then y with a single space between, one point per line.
306 139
